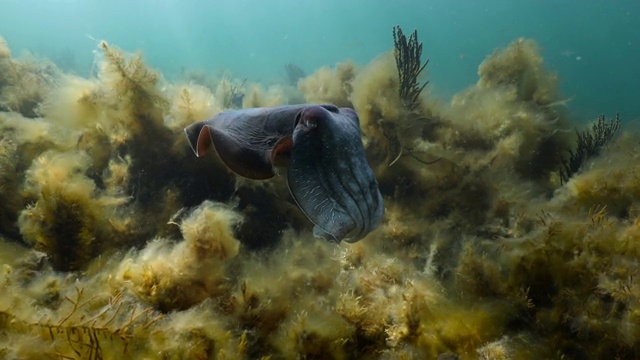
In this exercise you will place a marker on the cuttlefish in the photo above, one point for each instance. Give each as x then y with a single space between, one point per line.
320 147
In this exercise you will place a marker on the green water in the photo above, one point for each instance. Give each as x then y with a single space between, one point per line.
593 45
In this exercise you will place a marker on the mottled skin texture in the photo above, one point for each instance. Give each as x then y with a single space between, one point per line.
327 170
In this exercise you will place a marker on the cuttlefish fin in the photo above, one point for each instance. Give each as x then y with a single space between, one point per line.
198 137
281 152
240 158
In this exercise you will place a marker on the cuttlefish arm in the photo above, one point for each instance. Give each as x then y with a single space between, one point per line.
328 173
329 176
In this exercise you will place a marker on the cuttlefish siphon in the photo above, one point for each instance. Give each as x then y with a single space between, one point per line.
320 146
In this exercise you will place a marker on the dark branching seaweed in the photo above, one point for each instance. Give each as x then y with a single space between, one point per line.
589 145
294 73
237 95
407 54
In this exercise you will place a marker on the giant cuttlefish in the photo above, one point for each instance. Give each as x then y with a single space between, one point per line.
320 145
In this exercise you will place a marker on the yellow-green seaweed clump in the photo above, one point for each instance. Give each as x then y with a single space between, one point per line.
67 217
5 52
520 66
10 200
331 86
611 179
76 103
513 110
24 83
178 276
376 99
134 85
191 103
256 96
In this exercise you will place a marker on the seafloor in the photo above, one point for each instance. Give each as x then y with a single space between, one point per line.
521 242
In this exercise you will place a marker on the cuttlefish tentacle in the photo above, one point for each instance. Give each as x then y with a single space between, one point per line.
328 173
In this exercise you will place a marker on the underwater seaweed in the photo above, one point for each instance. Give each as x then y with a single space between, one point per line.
75 102
182 275
513 106
139 136
610 181
24 83
409 64
395 124
9 196
65 220
294 73
191 103
118 325
375 96
520 67
5 51
256 96
588 145
231 92
133 83
332 86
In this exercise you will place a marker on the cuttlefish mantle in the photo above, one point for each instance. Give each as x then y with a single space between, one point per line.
320 146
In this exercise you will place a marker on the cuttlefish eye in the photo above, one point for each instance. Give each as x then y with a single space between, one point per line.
311 116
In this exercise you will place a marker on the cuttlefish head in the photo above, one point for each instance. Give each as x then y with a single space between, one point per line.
329 176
